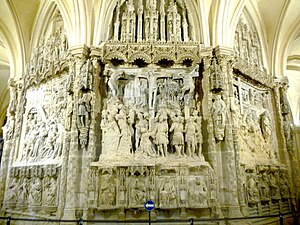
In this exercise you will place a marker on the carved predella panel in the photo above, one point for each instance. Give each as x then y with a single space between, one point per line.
151 113
253 116
43 129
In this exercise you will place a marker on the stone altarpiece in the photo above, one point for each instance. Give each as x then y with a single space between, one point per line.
149 114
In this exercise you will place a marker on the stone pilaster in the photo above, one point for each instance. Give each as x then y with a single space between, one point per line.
73 179
228 154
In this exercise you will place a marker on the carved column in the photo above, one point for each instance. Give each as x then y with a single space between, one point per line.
73 179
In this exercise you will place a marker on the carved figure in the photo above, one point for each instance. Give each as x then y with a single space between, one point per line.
253 193
137 192
188 83
141 123
265 126
168 193
35 193
111 136
12 195
146 147
161 135
125 146
113 80
40 139
264 187
23 192
274 189
50 192
190 136
177 140
219 117
84 110
107 190
197 192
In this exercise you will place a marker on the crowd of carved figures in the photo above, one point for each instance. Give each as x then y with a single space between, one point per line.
250 109
33 187
265 183
150 21
50 54
151 120
43 139
132 186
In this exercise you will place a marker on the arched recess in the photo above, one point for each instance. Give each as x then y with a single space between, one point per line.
196 14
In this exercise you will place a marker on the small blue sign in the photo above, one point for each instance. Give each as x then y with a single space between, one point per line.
149 205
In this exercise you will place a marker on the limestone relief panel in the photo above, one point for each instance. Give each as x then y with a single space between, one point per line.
151 113
50 55
169 187
253 118
33 188
43 126
266 184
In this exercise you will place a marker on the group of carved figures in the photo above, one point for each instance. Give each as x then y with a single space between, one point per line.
32 190
152 88
168 194
50 52
126 131
145 22
267 185
42 140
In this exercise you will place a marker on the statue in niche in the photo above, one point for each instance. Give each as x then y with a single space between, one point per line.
190 136
113 81
86 75
199 137
168 193
50 190
161 134
264 187
197 192
253 193
188 83
84 109
137 192
219 117
287 130
23 192
107 190
177 140
35 192
216 79
125 145
285 108
274 189
265 125
69 112
12 193
284 186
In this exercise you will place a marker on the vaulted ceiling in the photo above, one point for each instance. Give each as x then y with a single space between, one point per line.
86 22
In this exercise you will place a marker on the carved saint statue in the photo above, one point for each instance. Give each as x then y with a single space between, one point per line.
84 110
219 117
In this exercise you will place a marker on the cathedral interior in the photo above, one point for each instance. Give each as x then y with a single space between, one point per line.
194 104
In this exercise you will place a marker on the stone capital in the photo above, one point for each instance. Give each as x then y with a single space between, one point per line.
222 50
81 51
